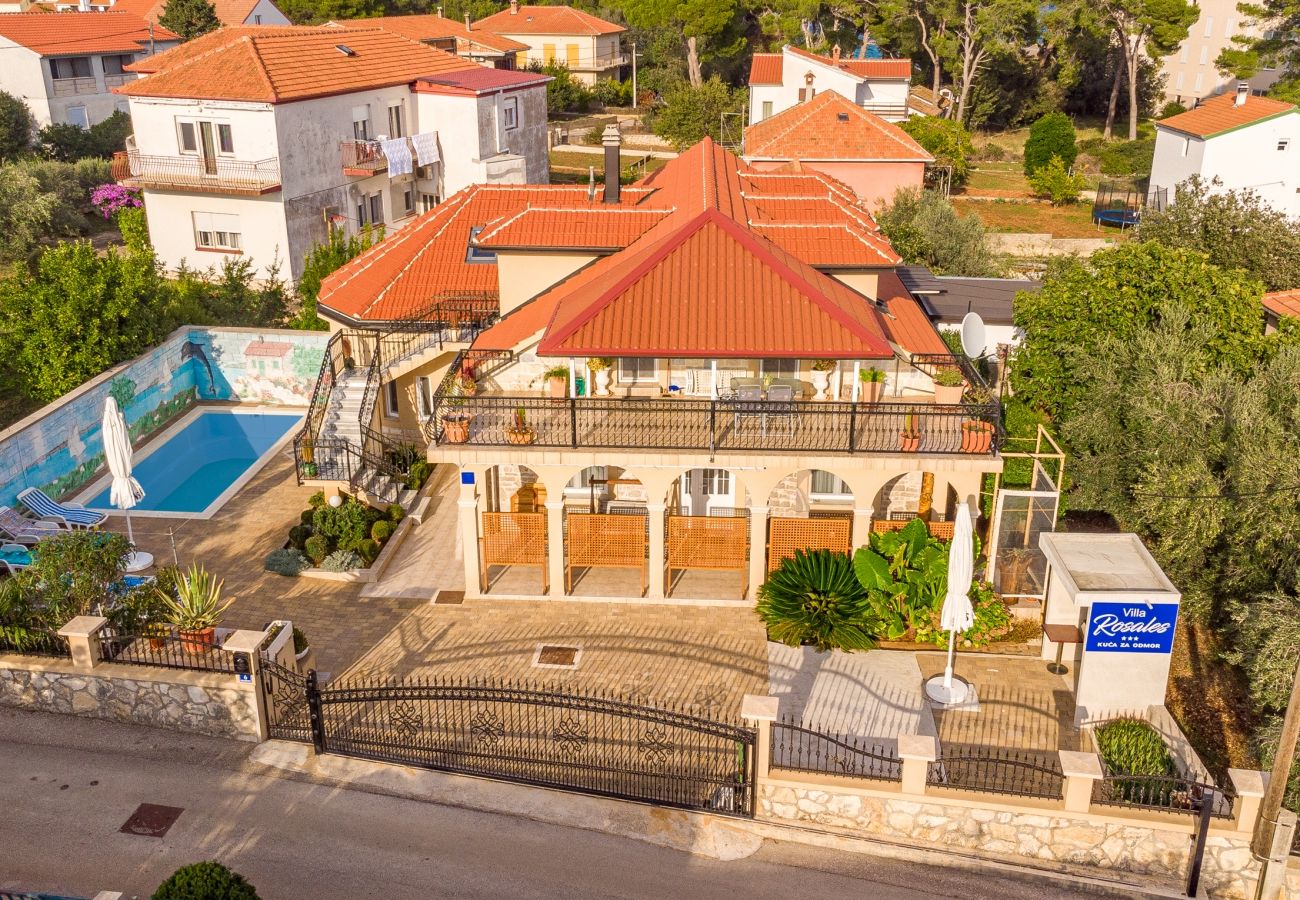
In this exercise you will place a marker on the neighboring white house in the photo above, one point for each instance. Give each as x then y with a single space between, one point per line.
64 66
588 46
1243 141
777 81
230 12
1190 72
256 142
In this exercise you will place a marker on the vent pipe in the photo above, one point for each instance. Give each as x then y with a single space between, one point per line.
1243 91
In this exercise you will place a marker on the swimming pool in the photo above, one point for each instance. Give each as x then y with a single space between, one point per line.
196 465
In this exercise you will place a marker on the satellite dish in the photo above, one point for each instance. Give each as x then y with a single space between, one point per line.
973 337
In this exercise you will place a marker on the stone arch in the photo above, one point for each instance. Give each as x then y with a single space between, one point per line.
913 494
808 492
698 490
597 487
510 487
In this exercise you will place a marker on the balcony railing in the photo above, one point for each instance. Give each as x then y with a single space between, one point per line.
596 64
363 158
69 87
718 426
886 109
196 173
112 81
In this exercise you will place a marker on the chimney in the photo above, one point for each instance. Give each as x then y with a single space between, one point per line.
514 7
468 26
613 142
1243 91
439 12
83 5
835 53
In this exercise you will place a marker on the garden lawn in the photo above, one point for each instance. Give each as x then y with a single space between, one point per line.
568 164
1069 221
998 179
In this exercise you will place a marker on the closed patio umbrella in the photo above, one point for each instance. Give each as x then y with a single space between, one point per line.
124 492
957 613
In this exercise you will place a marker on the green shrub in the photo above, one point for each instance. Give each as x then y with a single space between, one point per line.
1172 108
395 513
286 561
316 500
382 531
317 547
342 561
1121 157
1052 135
298 535
299 640
345 524
205 881
368 549
814 598
1133 747
418 475
946 140
990 152
1057 183
307 517
594 137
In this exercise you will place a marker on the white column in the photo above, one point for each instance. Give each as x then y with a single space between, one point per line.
655 580
757 548
467 518
861 526
573 378
857 366
555 545
713 367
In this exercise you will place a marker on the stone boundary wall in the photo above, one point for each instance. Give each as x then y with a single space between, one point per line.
1149 844
212 703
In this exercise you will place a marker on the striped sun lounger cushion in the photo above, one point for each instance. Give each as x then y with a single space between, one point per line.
40 503
21 529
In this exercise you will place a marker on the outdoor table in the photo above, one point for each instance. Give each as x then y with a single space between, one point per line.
1060 635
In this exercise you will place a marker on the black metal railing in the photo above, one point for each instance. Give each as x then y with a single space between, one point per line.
1169 793
718 425
805 750
164 646
999 770
536 735
28 641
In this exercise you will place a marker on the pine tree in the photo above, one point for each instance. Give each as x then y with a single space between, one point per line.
189 18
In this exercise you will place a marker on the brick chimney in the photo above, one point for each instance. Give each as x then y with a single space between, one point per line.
613 142
468 26
835 53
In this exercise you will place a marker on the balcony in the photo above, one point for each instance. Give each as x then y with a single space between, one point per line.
600 63
70 87
889 110
199 174
112 81
361 159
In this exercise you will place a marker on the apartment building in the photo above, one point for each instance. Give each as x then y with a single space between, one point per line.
65 66
257 141
462 39
588 46
1190 72
777 81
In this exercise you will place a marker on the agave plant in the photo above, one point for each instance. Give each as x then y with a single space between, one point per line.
197 603
815 598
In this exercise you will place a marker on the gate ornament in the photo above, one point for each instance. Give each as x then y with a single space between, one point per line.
655 746
486 728
570 735
405 720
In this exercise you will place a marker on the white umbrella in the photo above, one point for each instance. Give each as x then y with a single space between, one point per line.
957 613
125 492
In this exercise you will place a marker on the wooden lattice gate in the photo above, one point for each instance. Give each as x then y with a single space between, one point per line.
605 539
716 543
513 539
786 534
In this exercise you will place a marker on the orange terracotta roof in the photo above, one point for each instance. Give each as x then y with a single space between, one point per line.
280 64
1221 114
830 127
1283 303
600 228
910 327
922 100
230 12
765 68
430 26
70 33
863 68
547 20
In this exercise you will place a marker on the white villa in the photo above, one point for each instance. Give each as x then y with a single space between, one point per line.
777 81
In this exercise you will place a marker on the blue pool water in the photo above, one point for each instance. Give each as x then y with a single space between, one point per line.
203 459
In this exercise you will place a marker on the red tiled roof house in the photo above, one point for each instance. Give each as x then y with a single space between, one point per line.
587 45
777 81
653 381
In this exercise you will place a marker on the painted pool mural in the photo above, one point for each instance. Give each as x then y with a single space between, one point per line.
62 450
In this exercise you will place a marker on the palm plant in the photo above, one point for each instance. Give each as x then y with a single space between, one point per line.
197 603
815 598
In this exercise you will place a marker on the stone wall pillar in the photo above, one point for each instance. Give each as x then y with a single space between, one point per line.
655 583
1081 770
1249 786
467 521
916 751
82 635
555 544
760 712
861 527
249 643
757 549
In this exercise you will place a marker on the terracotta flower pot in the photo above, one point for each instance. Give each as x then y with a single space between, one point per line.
976 437
559 387
521 435
198 641
948 395
455 429
909 442
872 391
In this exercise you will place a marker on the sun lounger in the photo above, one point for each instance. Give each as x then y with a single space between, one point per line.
70 515
15 557
23 530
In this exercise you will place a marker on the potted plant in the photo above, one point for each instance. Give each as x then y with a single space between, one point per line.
600 367
873 384
157 634
300 646
455 424
557 380
466 386
948 387
196 608
909 439
821 376
308 458
976 436
521 432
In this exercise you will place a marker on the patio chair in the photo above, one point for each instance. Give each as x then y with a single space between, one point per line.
781 407
748 404
24 530
71 515
15 557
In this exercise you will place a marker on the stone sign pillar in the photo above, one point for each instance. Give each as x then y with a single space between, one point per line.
82 635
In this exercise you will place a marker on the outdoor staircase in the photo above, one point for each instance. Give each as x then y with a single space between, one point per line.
343 414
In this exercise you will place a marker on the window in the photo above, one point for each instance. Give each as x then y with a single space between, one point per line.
396 121
362 210
1283 144
225 140
1228 29
571 58
71 67
115 65
217 231
1209 26
361 123
477 254
806 94
636 370
781 368
428 202
189 137
424 395
827 483
767 109
390 399
510 113
1178 82
1182 54
376 209
548 54
1199 83
257 20
710 482
77 116
408 201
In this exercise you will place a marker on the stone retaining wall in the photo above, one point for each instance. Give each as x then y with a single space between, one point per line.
1152 845
202 702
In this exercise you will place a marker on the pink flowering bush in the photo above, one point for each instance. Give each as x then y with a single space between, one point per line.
111 198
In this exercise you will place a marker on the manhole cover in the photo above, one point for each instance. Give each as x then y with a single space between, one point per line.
449 598
556 656
151 820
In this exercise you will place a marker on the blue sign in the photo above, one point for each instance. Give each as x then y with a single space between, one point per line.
466 477
1131 627
245 676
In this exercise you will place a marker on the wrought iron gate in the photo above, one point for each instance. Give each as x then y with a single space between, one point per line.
286 706
593 745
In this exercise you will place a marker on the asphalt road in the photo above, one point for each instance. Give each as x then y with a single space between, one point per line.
68 785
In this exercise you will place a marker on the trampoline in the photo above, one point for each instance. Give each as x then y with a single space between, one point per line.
1121 204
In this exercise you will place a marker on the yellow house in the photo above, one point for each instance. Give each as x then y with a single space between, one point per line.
588 46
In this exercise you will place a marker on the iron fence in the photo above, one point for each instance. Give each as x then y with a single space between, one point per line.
367 157
285 691
163 646
805 750
32 641
586 743
999 770
1169 793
